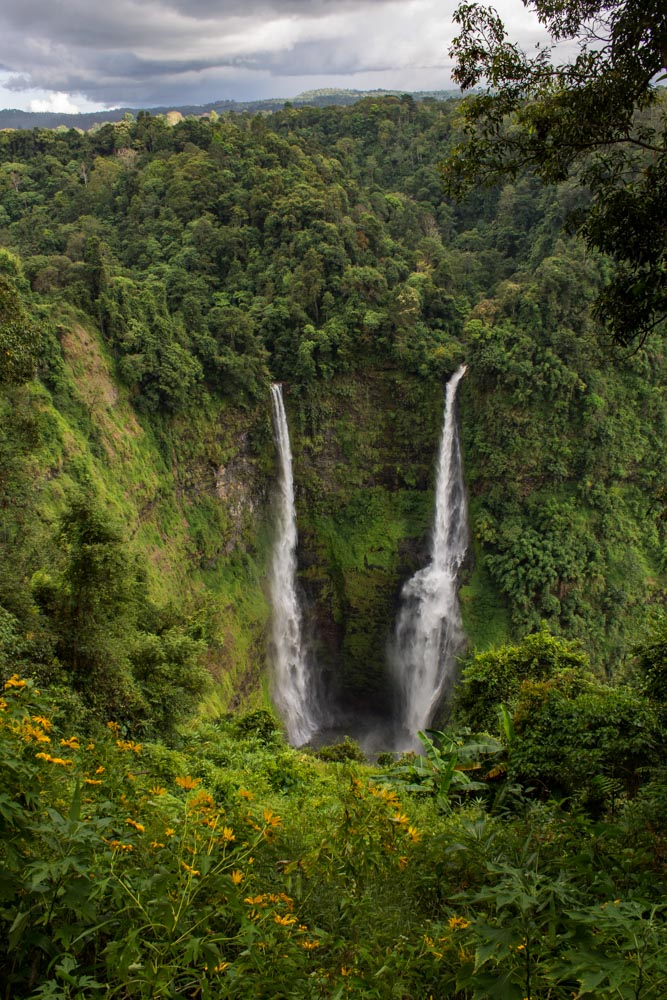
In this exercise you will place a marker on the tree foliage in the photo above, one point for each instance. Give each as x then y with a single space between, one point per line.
599 116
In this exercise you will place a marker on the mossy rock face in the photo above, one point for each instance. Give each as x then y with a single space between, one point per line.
364 464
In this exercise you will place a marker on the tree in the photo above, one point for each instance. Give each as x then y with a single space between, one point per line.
600 117
19 339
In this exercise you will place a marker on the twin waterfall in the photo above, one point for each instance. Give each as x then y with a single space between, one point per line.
428 635
293 682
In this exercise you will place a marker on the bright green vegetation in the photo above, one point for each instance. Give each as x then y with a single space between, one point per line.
153 281
234 866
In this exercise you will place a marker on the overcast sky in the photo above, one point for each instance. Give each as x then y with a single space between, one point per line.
79 55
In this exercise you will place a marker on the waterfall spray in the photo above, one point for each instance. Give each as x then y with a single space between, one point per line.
429 633
293 692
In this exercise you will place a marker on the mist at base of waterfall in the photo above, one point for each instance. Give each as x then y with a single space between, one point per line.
374 733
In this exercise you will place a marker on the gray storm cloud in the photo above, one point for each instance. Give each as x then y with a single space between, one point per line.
158 51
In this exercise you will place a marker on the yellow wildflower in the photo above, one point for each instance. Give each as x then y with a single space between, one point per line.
201 801
31 732
129 745
221 967
14 682
90 746
53 760
309 945
189 870
401 818
91 781
157 790
458 923
43 722
284 921
227 834
137 826
114 727
3 704
155 844
72 743
118 845
271 819
344 971
99 770
414 835
237 876
188 782
245 794
169 832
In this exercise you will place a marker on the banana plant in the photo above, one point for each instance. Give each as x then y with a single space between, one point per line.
447 766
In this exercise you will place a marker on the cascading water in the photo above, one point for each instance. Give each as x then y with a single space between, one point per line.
293 688
429 633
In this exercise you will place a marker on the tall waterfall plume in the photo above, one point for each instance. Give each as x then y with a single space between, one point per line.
429 632
293 685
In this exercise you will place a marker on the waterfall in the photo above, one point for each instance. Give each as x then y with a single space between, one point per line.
293 692
429 632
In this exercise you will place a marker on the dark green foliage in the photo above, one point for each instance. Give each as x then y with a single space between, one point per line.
598 116
19 339
583 739
495 676
651 657
259 723
338 753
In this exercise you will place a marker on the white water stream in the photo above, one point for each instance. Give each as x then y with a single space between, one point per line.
429 633
293 685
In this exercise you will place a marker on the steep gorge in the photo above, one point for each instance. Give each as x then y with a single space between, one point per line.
310 248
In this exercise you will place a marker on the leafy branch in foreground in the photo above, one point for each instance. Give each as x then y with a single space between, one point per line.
599 116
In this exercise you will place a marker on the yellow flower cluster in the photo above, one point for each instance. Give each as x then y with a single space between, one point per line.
42 721
53 760
129 745
15 682
270 897
137 826
271 819
30 732
118 845
458 923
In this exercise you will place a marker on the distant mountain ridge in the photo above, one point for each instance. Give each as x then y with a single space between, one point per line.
12 118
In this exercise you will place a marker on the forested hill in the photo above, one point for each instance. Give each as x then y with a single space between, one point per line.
14 119
157 278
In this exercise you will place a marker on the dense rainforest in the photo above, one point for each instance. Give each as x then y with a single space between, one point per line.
159 838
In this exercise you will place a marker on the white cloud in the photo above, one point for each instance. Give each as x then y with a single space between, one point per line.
58 102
